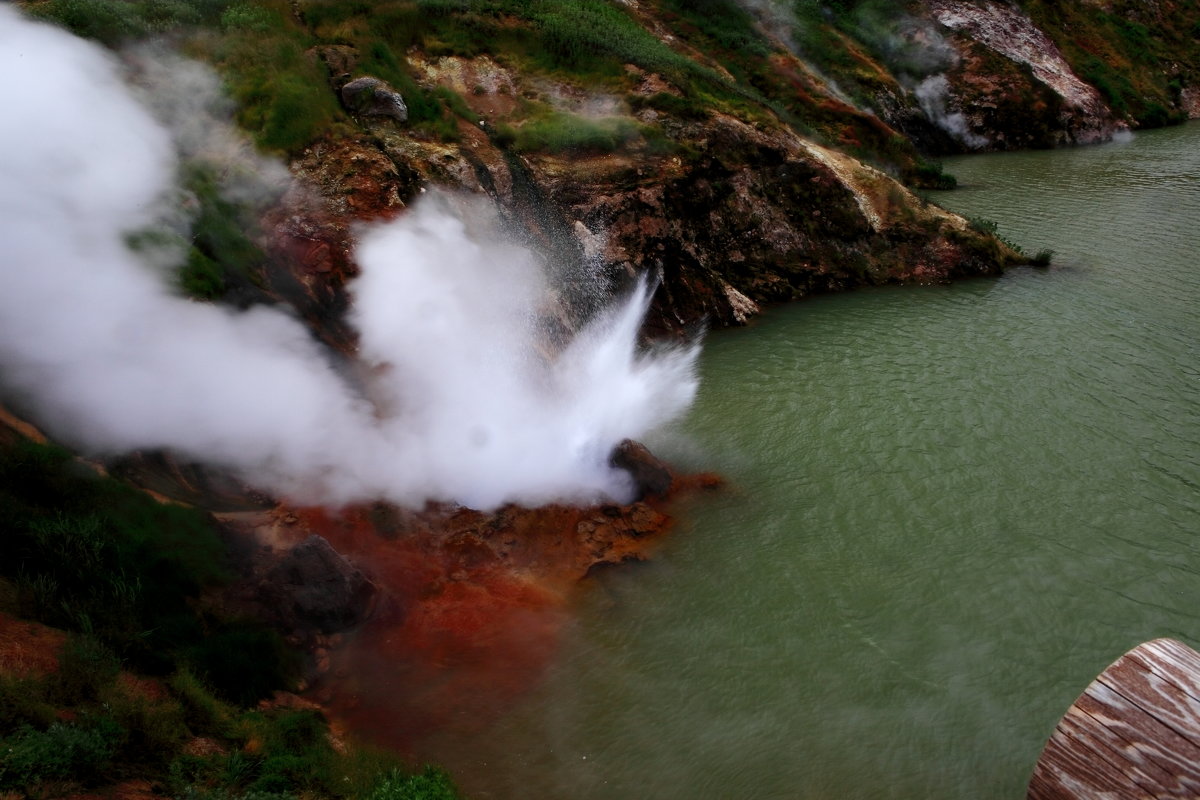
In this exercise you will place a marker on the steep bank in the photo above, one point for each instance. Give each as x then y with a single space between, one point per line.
979 75
743 158
634 141
690 140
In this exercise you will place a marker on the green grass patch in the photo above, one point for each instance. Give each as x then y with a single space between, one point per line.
115 21
726 23
24 702
673 105
124 732
590 40
1129 54
569 133
284 99
91 555
455 102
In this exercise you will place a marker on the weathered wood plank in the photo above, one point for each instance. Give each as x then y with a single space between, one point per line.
1098 745
1164 699
1173 662
1161 700
1152 749
1133 733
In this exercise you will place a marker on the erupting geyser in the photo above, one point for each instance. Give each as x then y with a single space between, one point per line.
466 403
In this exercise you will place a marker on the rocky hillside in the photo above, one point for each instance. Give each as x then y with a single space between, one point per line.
746 152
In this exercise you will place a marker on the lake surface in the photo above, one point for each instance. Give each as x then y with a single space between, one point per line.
950 509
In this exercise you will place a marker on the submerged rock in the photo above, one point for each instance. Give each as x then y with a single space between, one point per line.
650 475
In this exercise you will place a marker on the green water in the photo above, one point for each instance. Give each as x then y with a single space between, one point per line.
951 508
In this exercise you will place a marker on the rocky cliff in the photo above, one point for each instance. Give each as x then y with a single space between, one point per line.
972 75
742 153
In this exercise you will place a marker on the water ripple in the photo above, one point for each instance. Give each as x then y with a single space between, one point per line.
954 507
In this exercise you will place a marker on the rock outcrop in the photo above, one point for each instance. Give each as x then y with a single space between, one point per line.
313 587
1030 98
734 215
651 477
371 97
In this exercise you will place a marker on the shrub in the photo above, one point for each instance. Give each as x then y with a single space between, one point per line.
283 98
585 37
1155 115
430 784
23 702
103 20
1115 87
282 773
983 225
198 793
990 227
293 732
201 277
84 668
205 714
154 724
222 254
725 22
239 769
455 102
242 662
928 175
292 754
289 121
62 751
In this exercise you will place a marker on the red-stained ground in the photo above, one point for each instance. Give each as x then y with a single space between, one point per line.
471 607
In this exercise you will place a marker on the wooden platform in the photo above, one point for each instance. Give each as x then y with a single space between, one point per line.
1134 733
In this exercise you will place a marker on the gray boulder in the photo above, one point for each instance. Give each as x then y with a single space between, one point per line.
371 97
314 587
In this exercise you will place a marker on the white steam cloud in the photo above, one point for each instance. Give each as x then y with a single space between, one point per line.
467 401
186 97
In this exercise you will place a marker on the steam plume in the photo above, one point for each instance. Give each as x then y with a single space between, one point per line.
932 94
777 18
467 404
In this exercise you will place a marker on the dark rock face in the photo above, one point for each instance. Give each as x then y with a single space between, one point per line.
760 216
1012 84
650 476
737 216
313 587
371 97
